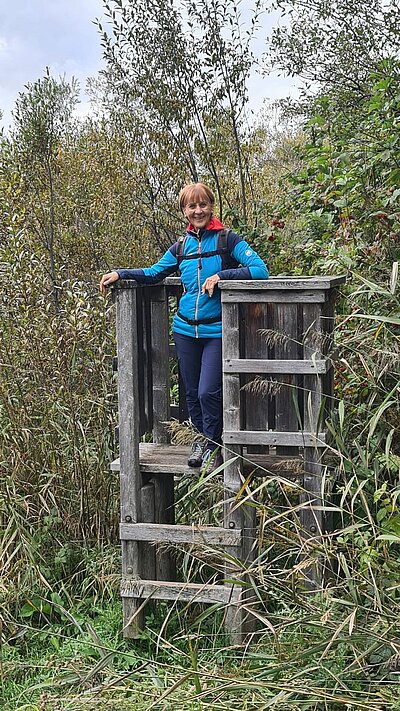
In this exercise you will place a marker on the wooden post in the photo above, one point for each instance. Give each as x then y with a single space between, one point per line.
311 518
235 517
130 478
328 347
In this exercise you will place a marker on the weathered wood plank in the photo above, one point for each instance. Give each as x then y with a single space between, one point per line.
251 365
182 405
161 459
141 363
130 477
237 621
255 318
277 282
233 515
287 400
328 347
128 394
290 439
163 533
160 363
268 297
164 514
231 398
147 551
180 592
148 370
274 282
158 459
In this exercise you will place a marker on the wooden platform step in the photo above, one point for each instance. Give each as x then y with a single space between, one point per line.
283 367
172 459
167 533
181 592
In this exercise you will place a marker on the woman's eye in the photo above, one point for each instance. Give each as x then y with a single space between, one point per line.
202 205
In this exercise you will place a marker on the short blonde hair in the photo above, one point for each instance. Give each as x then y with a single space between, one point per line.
193 192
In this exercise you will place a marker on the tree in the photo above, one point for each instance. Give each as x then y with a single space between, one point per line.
335 46
42 115
174 77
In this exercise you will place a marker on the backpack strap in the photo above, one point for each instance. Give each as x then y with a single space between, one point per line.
228 262
180 247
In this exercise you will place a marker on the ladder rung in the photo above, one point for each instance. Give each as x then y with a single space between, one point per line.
185 592
286 439
164 533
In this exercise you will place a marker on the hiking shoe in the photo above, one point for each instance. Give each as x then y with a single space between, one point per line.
212 459
196 454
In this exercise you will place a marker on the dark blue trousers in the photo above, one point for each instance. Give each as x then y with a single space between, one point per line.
200 364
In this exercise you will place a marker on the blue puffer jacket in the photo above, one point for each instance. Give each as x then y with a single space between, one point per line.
194 305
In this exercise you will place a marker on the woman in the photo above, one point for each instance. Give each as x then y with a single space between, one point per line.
204 255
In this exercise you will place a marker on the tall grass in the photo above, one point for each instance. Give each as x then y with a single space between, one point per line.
56 419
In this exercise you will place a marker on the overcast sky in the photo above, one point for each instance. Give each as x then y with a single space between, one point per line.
34 34
61 34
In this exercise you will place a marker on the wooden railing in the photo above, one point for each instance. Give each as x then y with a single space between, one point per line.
277 390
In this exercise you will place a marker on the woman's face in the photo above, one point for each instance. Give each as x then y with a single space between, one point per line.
198 211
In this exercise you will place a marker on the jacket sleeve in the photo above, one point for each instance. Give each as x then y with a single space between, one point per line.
166 266
252 266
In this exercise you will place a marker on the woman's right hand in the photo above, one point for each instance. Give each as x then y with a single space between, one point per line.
107 280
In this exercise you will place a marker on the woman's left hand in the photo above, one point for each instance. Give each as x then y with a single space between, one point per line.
209 284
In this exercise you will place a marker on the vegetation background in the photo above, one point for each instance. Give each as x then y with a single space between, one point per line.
314 185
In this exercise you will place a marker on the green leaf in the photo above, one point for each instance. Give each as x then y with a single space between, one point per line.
341 414
383 319
378 414
388 537
27 611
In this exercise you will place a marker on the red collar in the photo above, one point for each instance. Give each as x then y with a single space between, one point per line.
214 224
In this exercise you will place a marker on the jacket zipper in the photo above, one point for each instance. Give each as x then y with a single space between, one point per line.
196 328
